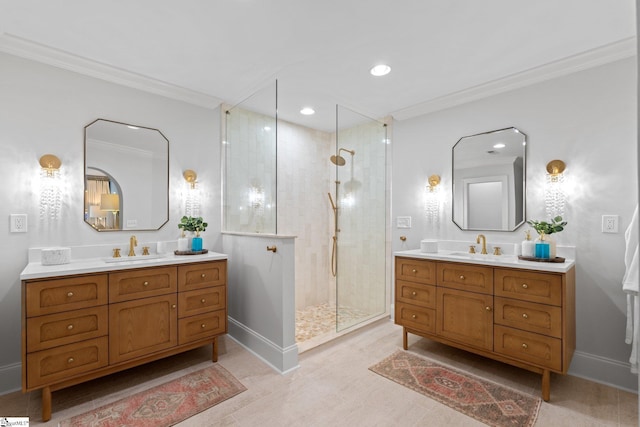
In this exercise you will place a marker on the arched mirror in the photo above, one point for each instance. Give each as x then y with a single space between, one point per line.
489 174
126 175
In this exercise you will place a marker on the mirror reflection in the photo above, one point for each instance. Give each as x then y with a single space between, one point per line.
126 177
489 172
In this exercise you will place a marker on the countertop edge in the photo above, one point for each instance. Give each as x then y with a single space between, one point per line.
517 263
35 270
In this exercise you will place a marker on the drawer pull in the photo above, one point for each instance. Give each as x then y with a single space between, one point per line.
173 306
69 294
70 360
203 275
461 277
203 300
525 316
487 308
413 316
414 270
203 326
414 293
525 286
146 283
70 327
525 346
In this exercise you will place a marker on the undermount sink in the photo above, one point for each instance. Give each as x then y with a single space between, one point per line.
482 257
134 258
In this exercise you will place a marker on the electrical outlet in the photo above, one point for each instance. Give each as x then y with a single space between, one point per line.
18 223
609 223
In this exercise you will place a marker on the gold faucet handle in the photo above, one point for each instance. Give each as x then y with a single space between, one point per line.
472 249
496 250
145 250
116 252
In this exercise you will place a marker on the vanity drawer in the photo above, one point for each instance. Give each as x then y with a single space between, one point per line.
133 284
202 275
201 301
539 318
538 349
465 277
416 270
60 363
544 288
414 317
65 328
58 295
202 326
416 293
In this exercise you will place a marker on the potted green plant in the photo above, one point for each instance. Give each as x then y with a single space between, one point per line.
195 225
544 230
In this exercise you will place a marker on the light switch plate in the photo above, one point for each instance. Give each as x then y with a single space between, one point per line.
403 222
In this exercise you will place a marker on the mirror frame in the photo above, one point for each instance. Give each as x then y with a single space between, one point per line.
85 218
524 181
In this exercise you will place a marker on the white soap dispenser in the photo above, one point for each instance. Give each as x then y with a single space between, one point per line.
528 245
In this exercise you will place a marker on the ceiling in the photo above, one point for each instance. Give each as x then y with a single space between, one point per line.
212 51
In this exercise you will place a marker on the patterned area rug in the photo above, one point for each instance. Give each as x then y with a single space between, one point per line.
485 401
166 404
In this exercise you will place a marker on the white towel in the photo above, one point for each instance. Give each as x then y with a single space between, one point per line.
630 285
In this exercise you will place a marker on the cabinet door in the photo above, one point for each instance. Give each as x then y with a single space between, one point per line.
141 327
465 317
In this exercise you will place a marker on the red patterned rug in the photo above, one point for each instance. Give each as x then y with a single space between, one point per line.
166 404
488 402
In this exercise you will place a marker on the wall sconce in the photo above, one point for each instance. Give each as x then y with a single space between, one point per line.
191 177
50 187
432 198
192 194
554 194
111 203
50 164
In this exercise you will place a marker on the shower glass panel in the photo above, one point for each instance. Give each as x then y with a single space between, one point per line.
250 153
360 198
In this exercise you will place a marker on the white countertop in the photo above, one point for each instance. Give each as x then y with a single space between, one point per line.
35 270
490 260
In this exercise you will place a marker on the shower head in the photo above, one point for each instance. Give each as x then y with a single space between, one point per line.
339 160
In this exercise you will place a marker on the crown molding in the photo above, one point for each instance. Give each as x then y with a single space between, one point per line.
622 49
23 48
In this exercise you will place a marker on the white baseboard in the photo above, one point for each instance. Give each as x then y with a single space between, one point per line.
10 378
604 371
281 359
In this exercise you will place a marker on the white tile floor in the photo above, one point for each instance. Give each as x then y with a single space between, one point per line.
333 387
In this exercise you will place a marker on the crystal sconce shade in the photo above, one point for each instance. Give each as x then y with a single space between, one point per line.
50 187
432 199
191 194
554 194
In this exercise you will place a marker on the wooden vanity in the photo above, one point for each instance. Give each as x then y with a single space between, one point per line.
520 316
81 326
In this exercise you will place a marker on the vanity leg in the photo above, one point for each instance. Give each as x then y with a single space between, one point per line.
46 404
214 357
405 339
546 385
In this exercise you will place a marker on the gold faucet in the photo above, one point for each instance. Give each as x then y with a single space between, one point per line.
484 243
133 242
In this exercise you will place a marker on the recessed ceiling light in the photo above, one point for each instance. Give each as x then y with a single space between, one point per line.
307 111
499 145
132 127
380 70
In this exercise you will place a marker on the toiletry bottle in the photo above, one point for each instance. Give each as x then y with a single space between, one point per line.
528 245
183 243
